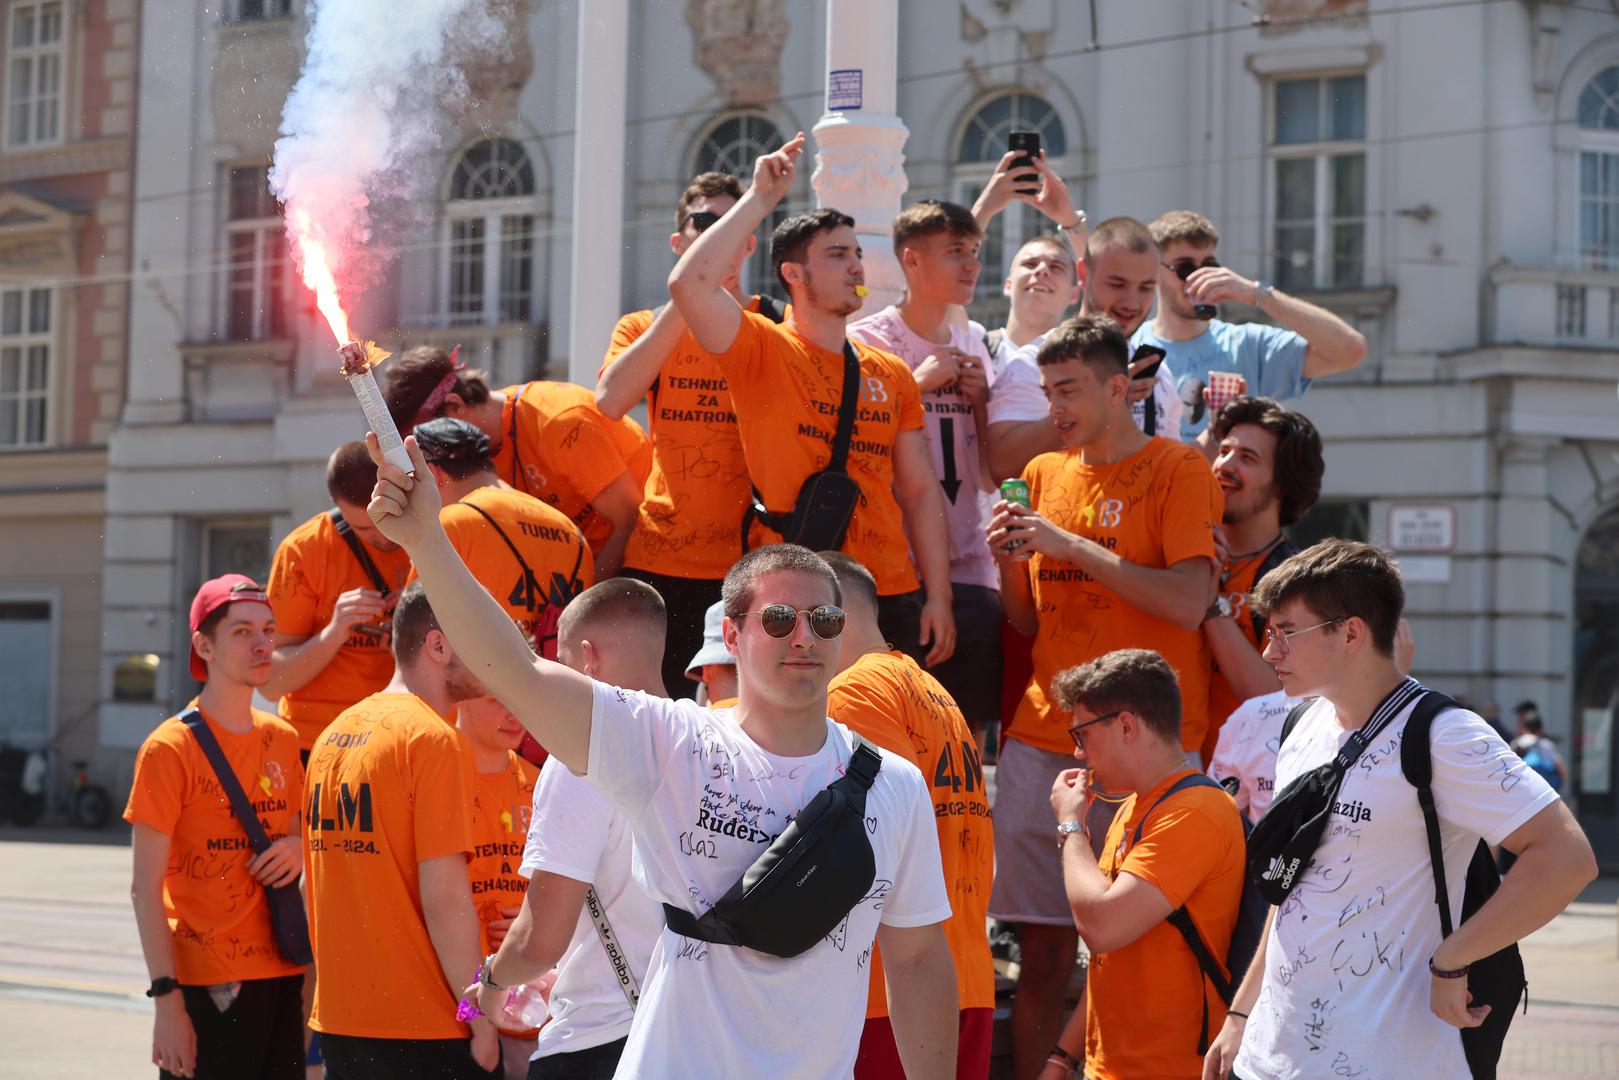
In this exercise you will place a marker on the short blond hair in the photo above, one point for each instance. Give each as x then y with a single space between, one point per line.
1186 226
1126 232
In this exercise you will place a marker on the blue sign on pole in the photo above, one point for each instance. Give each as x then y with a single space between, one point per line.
844 89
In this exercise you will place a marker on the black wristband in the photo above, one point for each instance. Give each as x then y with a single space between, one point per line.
1446 973
1072 1061
1234 1012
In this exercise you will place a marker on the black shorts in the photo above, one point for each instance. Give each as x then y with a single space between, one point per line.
260 1037
973 672
899 617
352 1057
686 600
596 1063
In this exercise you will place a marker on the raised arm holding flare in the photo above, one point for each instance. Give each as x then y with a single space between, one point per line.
786 382
704 793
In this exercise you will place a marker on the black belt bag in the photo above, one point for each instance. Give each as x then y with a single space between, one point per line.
286 905
807 881
826 501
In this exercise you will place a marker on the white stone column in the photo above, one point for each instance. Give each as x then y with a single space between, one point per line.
597 265
859 140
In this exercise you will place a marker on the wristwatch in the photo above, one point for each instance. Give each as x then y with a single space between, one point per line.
166 985
1220 609
1065 829
486 973
1262 291
1082 220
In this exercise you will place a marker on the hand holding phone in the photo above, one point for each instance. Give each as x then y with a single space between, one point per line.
1027 145
1151 353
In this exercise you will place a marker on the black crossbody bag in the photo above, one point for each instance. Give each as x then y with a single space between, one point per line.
827 499
286 906
807 881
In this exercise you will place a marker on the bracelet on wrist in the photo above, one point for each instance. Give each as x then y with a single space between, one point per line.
1058 1054
1238 1015
486 973
1446 973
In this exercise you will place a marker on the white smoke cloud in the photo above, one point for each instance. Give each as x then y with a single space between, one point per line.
361 146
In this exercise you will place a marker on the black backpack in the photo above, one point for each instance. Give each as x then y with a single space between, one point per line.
1245 932
1497 980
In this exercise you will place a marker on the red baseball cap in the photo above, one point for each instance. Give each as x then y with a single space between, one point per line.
215 594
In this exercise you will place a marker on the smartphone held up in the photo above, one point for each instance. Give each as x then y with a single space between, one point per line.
1026 144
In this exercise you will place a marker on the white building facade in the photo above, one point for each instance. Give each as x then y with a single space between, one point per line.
1447 178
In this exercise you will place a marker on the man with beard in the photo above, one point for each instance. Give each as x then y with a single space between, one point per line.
786 381
1269 466
389 831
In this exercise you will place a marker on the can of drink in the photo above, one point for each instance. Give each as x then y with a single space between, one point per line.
1015 491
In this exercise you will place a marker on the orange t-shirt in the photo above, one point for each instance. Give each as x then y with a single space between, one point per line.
555 445
690 524
1154 508
889 699
502 805
550 544
1144 1001
390 787
313 567
217 911
724 703
787 393
1223 701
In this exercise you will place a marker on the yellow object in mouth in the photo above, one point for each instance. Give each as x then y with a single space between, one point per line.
861 290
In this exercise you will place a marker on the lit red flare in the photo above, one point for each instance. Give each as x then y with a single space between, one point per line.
317 272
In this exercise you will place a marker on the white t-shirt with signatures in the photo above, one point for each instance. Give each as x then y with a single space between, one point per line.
1247 750
1346 983
704 801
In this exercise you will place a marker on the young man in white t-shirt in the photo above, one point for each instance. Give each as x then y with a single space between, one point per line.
1353 977
937 244
705 793
1250 738
577 842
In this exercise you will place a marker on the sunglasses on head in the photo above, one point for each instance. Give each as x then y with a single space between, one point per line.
1183 268
779 620
699 220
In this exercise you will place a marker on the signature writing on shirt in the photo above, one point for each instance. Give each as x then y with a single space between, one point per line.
1371 952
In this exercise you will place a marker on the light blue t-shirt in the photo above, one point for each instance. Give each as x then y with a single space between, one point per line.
1269 357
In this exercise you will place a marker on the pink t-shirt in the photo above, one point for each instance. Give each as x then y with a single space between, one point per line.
953 435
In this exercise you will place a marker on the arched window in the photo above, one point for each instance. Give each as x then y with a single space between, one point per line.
491 235
1597 114
984 137
731 145
735 143
979 149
